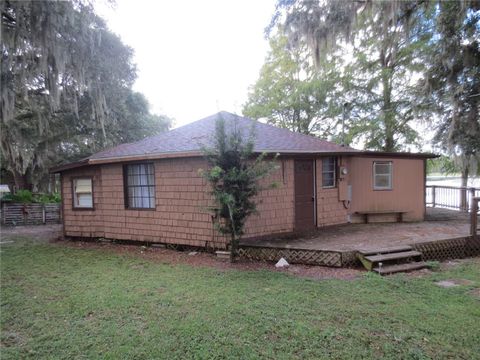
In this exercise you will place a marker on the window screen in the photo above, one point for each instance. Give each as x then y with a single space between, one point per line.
83 193
329 165
139 186
382 175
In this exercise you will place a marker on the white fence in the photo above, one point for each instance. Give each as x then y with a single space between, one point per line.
451 197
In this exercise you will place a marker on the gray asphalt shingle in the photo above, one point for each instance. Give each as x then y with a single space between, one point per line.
191 138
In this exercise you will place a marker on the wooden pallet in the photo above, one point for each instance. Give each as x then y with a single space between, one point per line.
391 260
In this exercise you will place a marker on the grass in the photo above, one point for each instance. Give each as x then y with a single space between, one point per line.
61 302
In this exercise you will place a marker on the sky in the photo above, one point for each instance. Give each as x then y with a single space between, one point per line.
194 58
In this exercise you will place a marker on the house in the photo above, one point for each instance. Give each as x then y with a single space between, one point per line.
151 190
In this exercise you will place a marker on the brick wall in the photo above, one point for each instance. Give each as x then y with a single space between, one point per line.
181 197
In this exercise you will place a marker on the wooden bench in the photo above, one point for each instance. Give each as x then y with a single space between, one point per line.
366 214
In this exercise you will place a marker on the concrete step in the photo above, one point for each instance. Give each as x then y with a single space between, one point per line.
388 250
391 269
393 256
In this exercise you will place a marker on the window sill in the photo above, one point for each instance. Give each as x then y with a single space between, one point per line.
141 209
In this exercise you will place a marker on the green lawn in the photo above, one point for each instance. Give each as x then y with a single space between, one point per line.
62 302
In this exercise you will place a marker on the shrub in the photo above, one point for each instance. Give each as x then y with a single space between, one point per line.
23 196
26 197
48 198
234 175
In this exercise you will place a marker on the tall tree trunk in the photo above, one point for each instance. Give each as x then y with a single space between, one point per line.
388 113
233 236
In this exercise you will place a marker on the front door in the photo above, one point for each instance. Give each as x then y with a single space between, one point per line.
304 195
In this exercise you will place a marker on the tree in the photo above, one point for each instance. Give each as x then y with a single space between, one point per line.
378 80
234 174
452 82
65 84
291 94
381 79
82 137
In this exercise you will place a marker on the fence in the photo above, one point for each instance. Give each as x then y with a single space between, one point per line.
30 214
451 197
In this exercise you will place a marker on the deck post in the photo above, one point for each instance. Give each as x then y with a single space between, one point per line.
433 195
464 199
471 196
473 217
474 240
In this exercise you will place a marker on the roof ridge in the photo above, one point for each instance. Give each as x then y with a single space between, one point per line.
200 133
310 136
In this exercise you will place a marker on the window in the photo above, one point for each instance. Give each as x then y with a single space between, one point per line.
82 193
139 186
329 168
382 175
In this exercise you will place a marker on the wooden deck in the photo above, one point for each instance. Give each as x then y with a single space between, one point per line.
444 234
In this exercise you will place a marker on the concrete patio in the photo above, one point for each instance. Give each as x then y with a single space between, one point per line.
440 224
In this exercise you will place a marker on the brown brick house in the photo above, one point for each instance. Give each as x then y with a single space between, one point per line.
151 190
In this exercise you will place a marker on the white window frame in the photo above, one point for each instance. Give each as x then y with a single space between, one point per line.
334 185
377 175
76 193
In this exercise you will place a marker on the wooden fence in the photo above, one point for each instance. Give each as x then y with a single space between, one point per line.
451 197
15 214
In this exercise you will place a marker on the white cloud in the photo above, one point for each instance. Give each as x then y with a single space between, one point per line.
194 58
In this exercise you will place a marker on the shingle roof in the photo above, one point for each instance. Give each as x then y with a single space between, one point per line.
188 140
191 138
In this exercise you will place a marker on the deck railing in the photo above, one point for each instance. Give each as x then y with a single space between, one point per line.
474 230
451 197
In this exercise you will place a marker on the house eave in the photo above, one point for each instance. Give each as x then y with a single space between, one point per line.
181 154
64 167
406 155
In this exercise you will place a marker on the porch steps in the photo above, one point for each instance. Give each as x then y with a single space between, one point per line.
391 260
387 250
391 269
393 256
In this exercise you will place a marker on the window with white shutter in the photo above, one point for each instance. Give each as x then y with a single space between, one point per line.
82 193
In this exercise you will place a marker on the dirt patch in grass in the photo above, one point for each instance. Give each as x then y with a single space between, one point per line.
10 338
204 259
475 293
34 233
